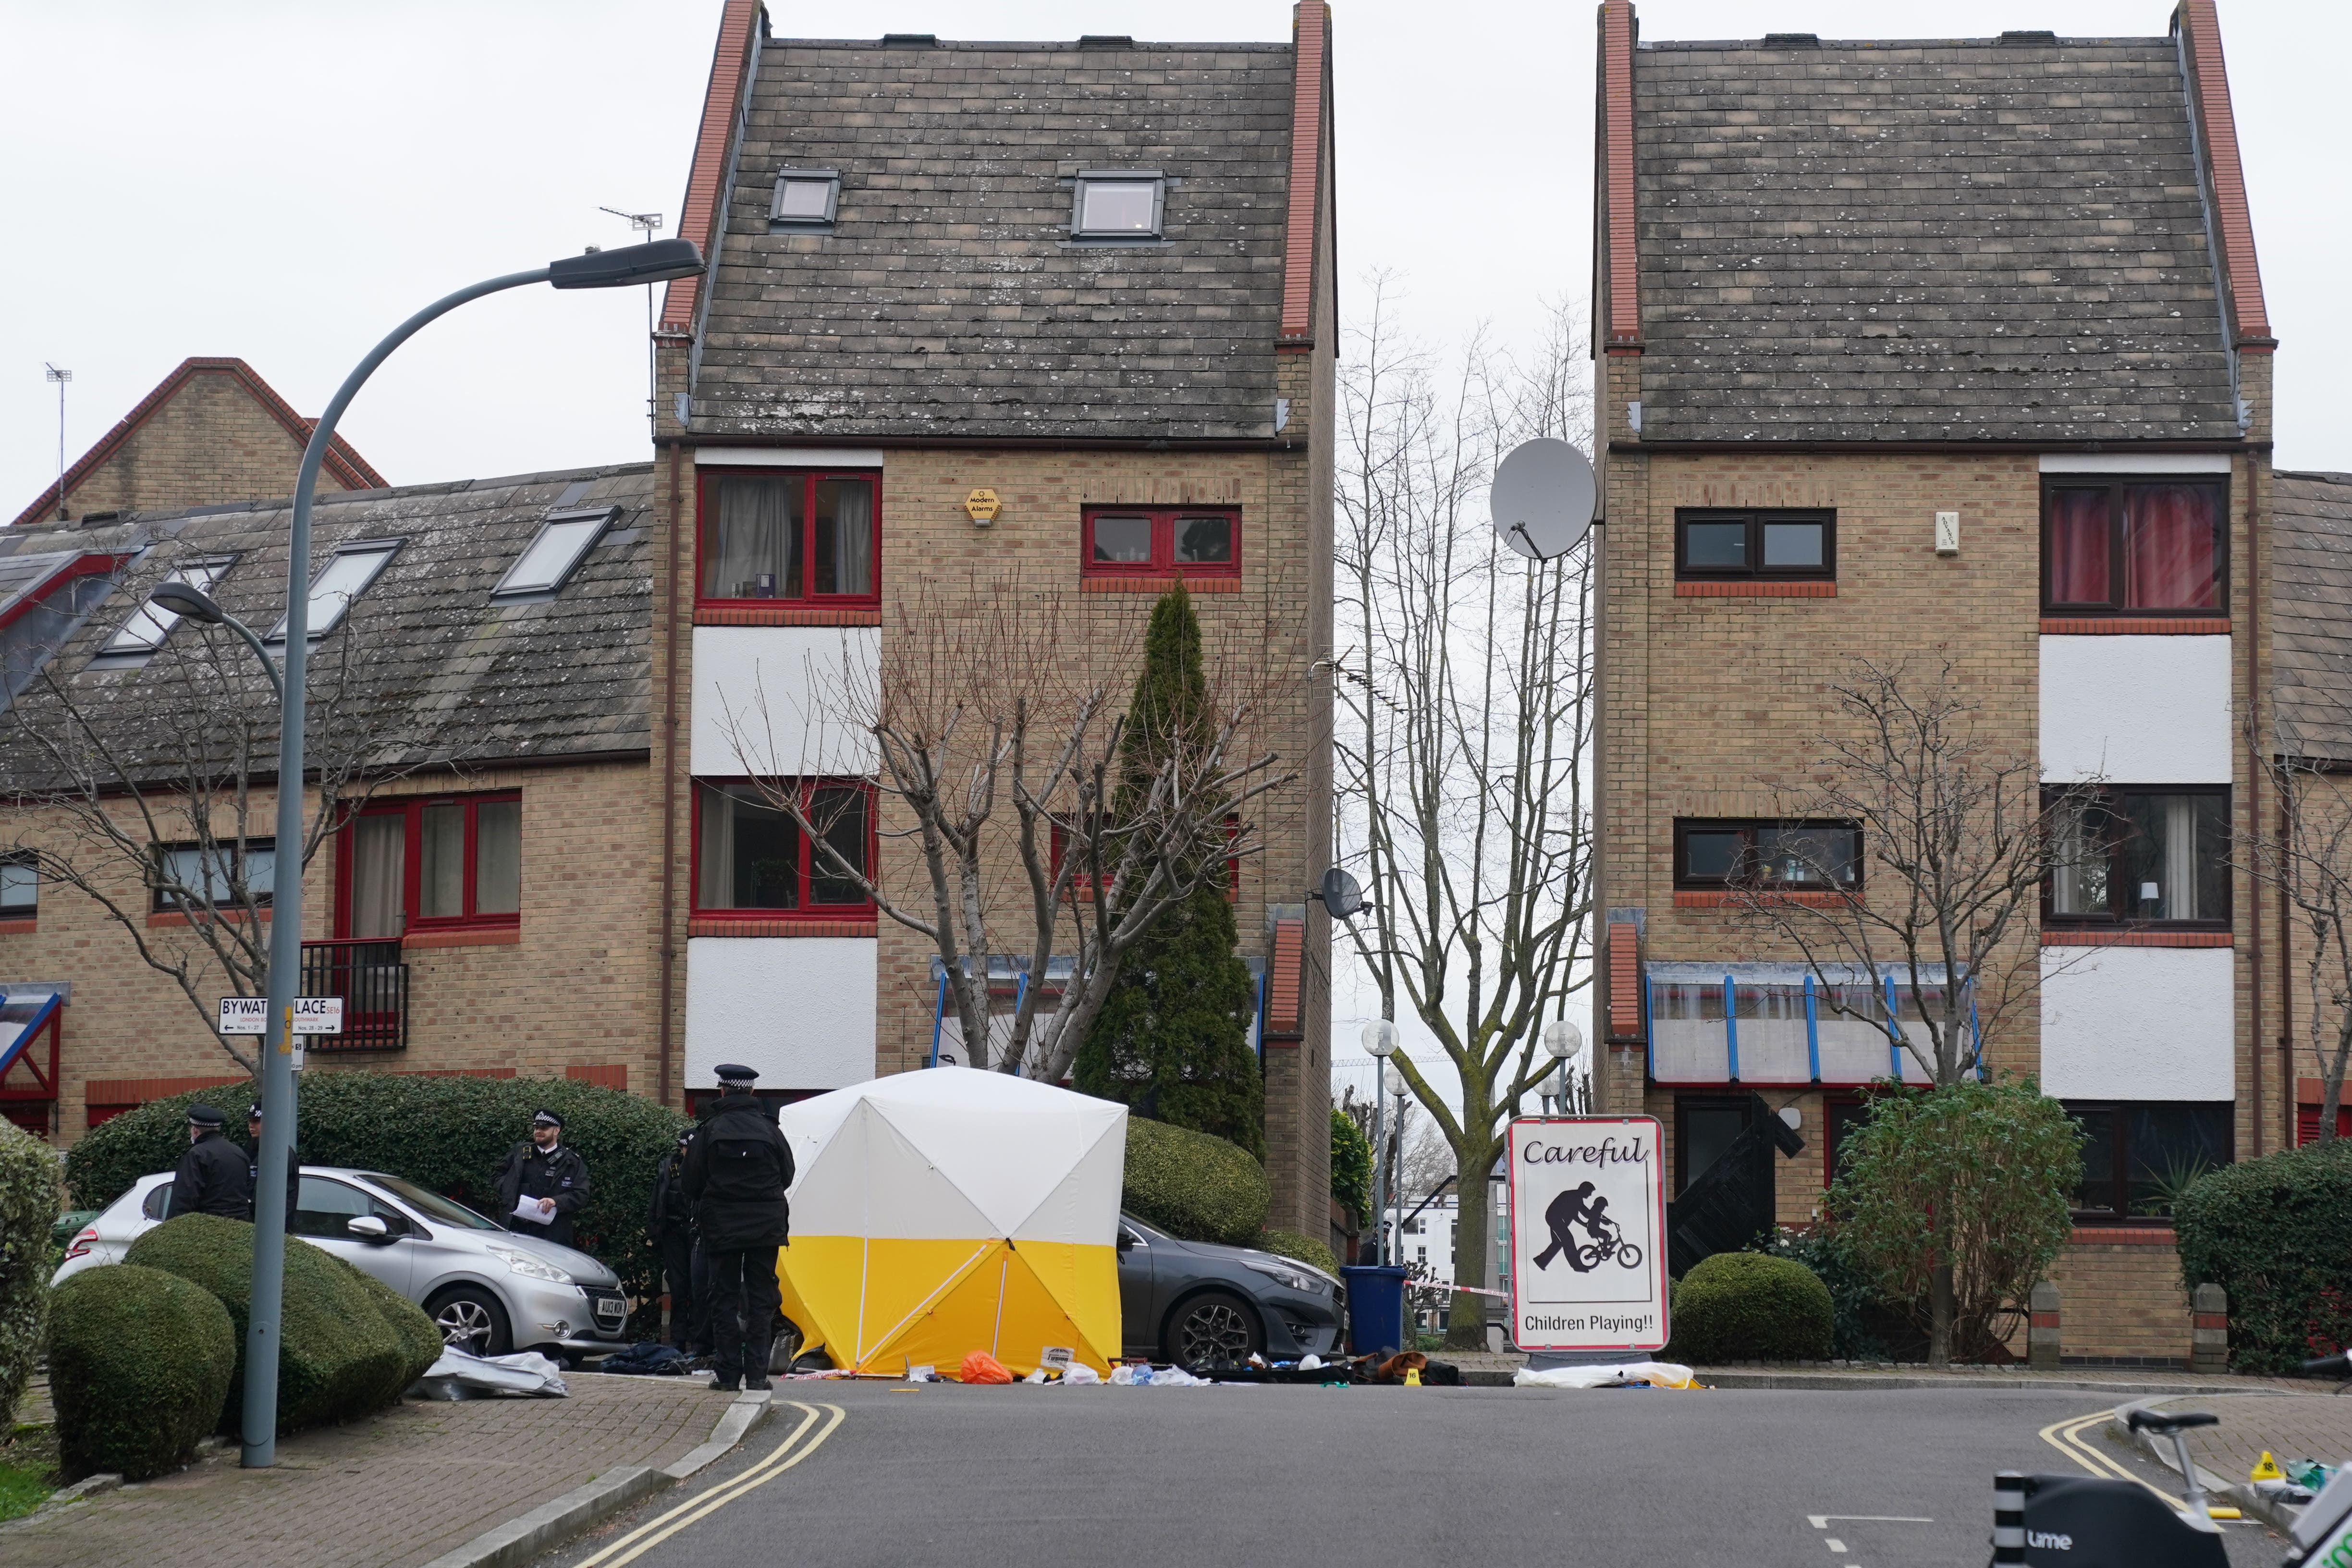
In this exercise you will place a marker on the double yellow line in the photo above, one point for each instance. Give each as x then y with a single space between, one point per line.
2066 1437
786 1454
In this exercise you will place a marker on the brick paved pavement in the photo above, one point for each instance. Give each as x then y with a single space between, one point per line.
401 1488
2313 1424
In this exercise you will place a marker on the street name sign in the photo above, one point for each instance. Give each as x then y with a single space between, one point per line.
245 1015
318 1015
1587 1209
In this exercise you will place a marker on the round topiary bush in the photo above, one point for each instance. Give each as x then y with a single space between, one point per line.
30 1197
1193 1186
343 1351
451 1135
1306 1248
1746 1306
2276 1234
139 1365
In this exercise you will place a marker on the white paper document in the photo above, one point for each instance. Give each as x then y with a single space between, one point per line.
528 1208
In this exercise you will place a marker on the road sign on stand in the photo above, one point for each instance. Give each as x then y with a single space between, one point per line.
1588 1202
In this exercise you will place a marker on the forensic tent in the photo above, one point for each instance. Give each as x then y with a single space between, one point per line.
948 1210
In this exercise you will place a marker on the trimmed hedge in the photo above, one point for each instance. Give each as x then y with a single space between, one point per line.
2276 1234
450 1134
1749 1306
1306 1248
139 1367
343 1350
30 1197
1193 1186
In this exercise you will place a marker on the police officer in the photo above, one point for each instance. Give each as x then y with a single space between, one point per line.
253 1165
554 1177
737 1170
670 1227
212 1177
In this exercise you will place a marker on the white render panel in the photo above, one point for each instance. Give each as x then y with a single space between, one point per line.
2138 1023
783 701
788 456
800 1009
2135 710
2124 463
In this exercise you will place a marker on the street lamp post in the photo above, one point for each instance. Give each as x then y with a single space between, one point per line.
1562 1040
624 268
1380 1037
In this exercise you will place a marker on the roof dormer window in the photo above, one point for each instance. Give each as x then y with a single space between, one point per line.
549 561
805 198
1118 205
349 572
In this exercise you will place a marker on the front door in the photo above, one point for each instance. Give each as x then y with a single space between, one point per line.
323 1213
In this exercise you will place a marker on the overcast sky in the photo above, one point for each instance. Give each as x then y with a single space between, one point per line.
284 182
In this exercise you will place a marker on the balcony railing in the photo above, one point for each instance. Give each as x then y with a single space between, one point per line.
374 984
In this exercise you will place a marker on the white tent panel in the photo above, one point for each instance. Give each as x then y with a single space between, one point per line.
867 1180
1082 1205
1006 1143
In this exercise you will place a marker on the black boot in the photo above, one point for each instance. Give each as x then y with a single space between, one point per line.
726 1383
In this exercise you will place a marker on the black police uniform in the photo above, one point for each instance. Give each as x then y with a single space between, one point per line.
533 1173
213 1178
736 1171
671 1227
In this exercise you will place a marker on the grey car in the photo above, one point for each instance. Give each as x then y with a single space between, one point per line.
487 1289
1197 1304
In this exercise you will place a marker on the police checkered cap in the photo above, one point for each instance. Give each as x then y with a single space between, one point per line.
543 1117
735 1072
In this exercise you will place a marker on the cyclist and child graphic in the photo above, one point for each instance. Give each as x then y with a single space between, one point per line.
1579 1206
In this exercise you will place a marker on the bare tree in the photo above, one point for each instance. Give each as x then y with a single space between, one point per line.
1919 846
2310 863
974 707
1466 703
139 789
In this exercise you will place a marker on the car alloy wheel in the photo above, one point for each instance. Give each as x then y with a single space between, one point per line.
1214 1332
470 1320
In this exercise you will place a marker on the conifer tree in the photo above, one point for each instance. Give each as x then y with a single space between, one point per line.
1173 1039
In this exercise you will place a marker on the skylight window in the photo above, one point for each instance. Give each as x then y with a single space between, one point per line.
551 557
805 198
145 632
347 576
1119 206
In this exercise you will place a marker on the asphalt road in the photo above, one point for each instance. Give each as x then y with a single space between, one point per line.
1221 1477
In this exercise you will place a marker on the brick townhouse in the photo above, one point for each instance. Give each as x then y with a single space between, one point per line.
483 645
1915 347
1091 278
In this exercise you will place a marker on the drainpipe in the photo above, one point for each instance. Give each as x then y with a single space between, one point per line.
669 945
2254 774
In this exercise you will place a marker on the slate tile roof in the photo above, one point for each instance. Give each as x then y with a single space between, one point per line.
2311 599
461 678
949 299
1923 240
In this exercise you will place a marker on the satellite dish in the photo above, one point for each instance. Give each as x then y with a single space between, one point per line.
1542 498
1341 893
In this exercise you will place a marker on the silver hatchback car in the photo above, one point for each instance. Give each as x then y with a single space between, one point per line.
488 1289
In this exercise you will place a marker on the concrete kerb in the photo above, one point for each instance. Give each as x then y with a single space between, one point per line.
552 1525
66 1497
2268 1507
1827 1381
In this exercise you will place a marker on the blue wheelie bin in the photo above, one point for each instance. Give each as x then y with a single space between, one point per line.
1375 1307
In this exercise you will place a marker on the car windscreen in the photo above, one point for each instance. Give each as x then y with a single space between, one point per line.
433 1205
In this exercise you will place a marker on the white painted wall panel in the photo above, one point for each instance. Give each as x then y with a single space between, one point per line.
786 698
2135 710
2133 462
2138 1023
800 1009
795 458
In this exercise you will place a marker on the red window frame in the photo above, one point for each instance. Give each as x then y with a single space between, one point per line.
2113 487
705 478
1163 562
412 863
806 909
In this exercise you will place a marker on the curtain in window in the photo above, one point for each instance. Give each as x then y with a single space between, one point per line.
441 862
715 876
2078 547
497 857
752 531
2179 857
379 843
2079 870
2170 562
844 540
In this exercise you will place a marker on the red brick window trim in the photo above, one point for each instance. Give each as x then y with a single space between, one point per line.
2136 626
785 616
2141 1234
737 925
1156 584
22 925
1160 543
2066 936
507 936
1688 898
1756 590
180 917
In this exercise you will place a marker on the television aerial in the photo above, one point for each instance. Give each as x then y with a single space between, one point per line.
1542 498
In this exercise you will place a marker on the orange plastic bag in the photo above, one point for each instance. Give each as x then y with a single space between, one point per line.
981 1367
